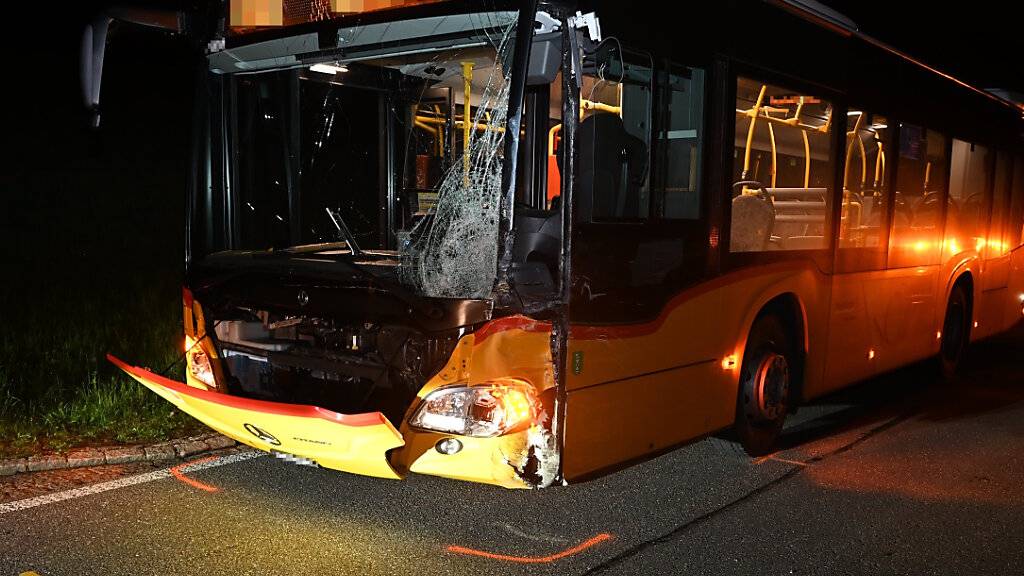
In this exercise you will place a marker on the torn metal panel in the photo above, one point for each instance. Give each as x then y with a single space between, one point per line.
560 327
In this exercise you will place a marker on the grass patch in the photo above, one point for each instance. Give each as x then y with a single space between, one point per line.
117 410
57 390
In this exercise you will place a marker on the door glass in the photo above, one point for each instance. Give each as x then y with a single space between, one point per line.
920 193
865 210
615 135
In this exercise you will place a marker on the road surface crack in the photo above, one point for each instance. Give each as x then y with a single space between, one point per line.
682 529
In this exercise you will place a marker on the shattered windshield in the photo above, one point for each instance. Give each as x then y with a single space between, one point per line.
394 149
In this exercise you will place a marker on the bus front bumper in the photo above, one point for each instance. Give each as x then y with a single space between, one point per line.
366 444
356 443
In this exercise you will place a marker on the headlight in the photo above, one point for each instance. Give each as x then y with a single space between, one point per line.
482 411
198 362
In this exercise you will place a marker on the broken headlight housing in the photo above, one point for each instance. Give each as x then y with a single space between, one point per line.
482 411
198 362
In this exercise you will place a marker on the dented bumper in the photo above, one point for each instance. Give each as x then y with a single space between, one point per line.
357 443
366 444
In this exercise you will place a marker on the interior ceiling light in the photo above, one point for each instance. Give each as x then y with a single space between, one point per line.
328 68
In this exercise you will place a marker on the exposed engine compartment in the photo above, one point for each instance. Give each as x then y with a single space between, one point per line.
347 367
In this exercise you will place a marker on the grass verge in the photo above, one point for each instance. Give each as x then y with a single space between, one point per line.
101 412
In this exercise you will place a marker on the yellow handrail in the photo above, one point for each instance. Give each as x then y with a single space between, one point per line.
807 160
849 149
807 143
598 106
879 165
551 138
750 132
467 81
863 163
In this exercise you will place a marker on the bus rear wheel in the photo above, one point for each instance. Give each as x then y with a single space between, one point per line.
956 333
766 385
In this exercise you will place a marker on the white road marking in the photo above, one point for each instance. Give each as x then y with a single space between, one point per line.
123 482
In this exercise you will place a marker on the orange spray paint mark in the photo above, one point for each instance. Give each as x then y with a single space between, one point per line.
533 559
177 473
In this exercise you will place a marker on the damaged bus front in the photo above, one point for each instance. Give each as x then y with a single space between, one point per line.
375 262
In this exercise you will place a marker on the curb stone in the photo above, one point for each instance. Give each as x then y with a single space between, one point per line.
84 457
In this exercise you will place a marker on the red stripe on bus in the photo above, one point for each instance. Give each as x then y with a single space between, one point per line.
510 323
596 332
615 331
299 410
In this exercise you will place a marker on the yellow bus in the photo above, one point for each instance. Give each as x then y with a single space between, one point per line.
522 243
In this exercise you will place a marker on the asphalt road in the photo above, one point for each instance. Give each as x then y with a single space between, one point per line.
900 475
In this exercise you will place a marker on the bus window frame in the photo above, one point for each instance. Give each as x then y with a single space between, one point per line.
655 223
900 121
634 56
849 260
1004 249
823 258
654 227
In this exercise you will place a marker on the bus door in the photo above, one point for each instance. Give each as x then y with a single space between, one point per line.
639 367
913 312
861 294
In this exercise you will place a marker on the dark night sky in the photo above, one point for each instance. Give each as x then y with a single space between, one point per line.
980 42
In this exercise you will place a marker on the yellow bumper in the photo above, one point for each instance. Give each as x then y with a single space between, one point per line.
357 443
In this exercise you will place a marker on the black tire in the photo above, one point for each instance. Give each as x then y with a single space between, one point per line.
766 386
956 333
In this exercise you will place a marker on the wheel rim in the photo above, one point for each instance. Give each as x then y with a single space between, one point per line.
771 387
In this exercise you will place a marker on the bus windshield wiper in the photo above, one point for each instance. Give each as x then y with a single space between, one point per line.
343 231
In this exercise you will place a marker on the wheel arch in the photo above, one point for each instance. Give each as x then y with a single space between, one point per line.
963 275
964 271
789 308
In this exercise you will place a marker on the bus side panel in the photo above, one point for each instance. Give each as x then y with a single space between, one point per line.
990 309
859 319
911 316
990 313
1015 298
619 421
636 389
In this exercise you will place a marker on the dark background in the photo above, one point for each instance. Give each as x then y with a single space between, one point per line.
92 222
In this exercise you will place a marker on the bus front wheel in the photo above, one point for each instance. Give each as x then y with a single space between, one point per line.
766 385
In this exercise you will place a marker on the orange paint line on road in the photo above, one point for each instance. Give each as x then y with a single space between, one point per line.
533 559
176 471
763 459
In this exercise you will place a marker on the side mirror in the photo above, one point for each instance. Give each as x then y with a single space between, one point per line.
94 43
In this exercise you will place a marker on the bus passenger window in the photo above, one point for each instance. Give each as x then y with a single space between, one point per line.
970 184
996 244
615 136
865 210
916 238
781 194
1015 229
680 138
